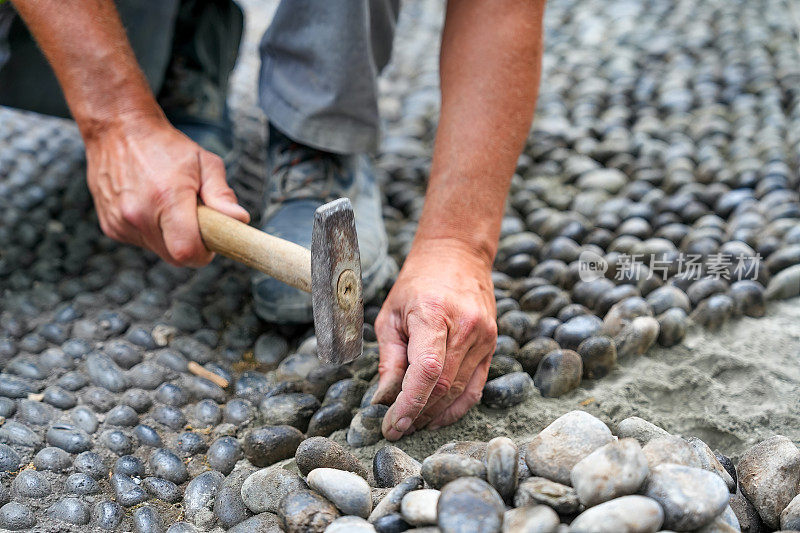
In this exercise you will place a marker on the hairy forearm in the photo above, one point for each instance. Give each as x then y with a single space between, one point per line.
490 69
86 45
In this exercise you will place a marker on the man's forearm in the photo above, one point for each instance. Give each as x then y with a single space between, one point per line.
86 45
490 69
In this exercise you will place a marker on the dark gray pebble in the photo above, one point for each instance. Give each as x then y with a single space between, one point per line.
127 492
162 489
328 419
147 436
190 443
223 454
171 417
15 516
90 464
117 442
108 515
69 438
304 511
53 459
292 409
508 390
70 510
147 520
165 464
130 465
30 484
469 504
365 428
268 445
442 468
81 484
598 356
559 372
9 459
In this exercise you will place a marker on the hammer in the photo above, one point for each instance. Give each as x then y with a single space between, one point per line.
330 271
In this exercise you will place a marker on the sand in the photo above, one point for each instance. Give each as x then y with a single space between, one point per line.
731 388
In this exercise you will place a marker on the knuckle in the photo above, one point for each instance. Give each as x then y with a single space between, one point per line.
184 252
132 213
430 367
473 396
457 389
442 387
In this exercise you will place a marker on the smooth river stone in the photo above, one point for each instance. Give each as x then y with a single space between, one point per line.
391 502
567 440
350 524
469 504
629 514
502 466
538 490
440 469
304 511
559 372
639 429
617 469
419 507
268 445
769 475
670 450
263 490
391 465
790 517
507 390
636 337
598 355
318 452
530 519
349 492
691 497
709 461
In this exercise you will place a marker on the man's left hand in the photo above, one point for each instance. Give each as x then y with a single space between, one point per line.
436 334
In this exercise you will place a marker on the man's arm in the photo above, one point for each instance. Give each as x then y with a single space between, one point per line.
144 175
437 328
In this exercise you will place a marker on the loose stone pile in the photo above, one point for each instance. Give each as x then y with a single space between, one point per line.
662 128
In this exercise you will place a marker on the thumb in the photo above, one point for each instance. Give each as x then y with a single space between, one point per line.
214 189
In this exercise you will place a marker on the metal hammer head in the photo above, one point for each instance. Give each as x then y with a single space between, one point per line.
336 283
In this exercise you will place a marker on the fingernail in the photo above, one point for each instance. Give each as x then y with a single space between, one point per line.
403 424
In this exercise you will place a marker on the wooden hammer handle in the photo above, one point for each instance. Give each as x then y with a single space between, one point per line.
281 259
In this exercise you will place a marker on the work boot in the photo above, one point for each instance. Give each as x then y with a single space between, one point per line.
195 89
302 179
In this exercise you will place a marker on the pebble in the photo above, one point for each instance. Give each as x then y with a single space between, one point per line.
147 520
30 484
70 510
574 331
531 519
672 325
350 524
532 353
292 409
470 504
262 491
127 492
162 489
171 417
617 469
117 442
440 469
502 466
122 415
267 445
567 440
15 516
147 436
391 465
165 464
598 356
304 511
264 522
365 428
108 515
81 484
390 503
200 493
538 490
391 523
317 452
90 464
9 459
672 450
628 514
790 516
507 390
223 454
709 461
637 337
328 419
130 466
419 507
16 434
639 429
769 476
104 372
349 492
690 497
53 459
559 372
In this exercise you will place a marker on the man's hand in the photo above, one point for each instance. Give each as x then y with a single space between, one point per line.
436 333
145 177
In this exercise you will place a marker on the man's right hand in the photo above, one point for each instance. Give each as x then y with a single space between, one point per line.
145 177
